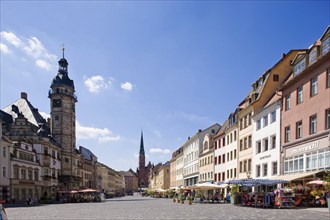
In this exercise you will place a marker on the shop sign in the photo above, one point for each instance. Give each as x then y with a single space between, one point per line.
306 147
264 157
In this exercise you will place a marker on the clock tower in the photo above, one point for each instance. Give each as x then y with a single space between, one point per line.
63 123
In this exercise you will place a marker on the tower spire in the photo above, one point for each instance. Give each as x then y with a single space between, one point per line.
63 50
141 144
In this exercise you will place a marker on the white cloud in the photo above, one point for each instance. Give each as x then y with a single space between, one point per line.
11 38
159 150
97 83
44 65
32 48
37 50
127 86
4 49
108 139
101 135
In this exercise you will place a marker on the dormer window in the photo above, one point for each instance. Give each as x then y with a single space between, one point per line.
299 67
326 46
312 56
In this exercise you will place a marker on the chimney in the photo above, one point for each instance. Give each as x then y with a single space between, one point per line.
188 138
24 95
283 55
199 130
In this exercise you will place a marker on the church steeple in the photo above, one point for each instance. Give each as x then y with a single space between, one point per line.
141 145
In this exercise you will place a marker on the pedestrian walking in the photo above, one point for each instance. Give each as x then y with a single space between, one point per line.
3 215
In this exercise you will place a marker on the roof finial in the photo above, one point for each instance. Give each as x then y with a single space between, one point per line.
63 50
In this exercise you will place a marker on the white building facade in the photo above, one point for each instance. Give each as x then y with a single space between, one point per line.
191 151
266 141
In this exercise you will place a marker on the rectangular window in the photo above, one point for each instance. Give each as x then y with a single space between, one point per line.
287 102
273 116
223 158
241 124
312 124
219 159
266 144
30 175
326 46
245 166
258 170
276 77
4 151
327 119
36 175
299 129
215 161
258 145
245 143
312 56
265 120
328 78
258 124
265 169
250 142
235 154
314 83
4 172
274 168
287 134
16 172
240 145
299 67
299 95
235 173
249 164
235 134
23 174
273 144
231 155
241 166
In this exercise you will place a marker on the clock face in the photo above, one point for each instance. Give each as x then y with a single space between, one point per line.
57 103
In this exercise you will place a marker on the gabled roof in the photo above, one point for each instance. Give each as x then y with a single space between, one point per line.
27 109
326 33
299 56
87 154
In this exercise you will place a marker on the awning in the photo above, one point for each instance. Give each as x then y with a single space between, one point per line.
295 176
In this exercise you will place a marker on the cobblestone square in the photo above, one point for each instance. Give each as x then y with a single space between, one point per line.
137 207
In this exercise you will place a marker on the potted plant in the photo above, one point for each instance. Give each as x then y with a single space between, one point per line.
182 198
189 200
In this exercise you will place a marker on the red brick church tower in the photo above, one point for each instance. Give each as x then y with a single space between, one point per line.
143 171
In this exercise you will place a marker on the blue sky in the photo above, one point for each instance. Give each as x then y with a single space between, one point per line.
167 67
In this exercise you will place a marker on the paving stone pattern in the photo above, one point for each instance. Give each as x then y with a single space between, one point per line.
137 207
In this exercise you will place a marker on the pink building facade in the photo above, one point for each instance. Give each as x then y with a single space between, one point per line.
305 125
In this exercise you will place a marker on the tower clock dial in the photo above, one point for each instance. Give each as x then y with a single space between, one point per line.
57 103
